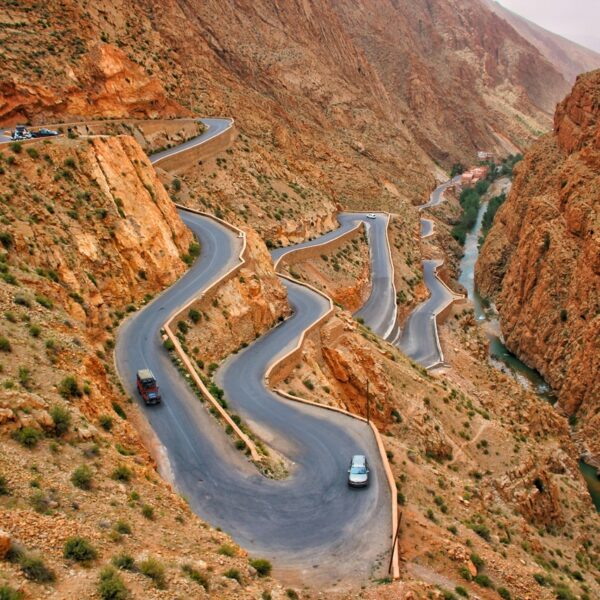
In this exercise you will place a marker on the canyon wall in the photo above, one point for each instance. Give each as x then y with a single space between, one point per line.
541 260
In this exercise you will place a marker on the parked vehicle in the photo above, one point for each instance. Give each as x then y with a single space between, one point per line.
147 386
21 133
358 473
371 216
43 132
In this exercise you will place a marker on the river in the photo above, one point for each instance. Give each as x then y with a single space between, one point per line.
500 356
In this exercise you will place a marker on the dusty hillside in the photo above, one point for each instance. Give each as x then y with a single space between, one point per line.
458 72
78 252
541 261
569 58
367 94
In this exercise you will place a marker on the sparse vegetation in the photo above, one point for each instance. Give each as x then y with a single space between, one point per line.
111 585
262 565
79 549
153 569
82 477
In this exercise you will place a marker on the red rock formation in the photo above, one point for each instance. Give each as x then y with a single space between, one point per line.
541 260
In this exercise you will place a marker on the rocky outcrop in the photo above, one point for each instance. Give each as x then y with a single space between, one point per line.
96 225
107 83
238 310
541 261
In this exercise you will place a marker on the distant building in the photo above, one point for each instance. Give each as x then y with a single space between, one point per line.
473 175
482 155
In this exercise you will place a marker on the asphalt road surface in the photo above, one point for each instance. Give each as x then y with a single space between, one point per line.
419 337
215 127
310 524
379 311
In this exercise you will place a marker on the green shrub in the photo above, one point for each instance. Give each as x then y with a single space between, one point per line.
70 163
34 331
124 562
122 473
16 147
119 410
79 549
28 436
61 418
196 576
153 569
262 565
111 586
122 527
44 301
82 477
9 593
461 591
477 560
148 512
4 491
233 574
481 530
504 593
40 503
194 249
194 315
176 185
34 569
5 345
227 550
169 345
6 239
106 422
33 152
69 388
483 580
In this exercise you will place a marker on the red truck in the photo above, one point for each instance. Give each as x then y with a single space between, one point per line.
147 386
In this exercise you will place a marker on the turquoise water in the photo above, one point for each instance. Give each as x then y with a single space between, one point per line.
504 359
593 482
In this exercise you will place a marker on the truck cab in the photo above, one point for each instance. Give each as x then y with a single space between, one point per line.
147 386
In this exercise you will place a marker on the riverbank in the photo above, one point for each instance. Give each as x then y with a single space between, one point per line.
485 315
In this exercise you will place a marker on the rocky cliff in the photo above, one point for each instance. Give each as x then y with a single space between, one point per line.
541 261
367 89
81 218
569 58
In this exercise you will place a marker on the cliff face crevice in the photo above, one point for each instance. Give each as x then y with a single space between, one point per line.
96 223
541 260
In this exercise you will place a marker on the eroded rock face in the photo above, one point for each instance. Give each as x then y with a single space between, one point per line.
541 260
240 309
107 83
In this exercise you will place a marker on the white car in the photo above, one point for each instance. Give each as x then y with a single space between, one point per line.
371 216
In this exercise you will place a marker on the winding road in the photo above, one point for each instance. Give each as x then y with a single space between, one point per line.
310 524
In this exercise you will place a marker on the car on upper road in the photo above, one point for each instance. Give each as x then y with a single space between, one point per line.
21 133
358 473
147 386
43 132
371 216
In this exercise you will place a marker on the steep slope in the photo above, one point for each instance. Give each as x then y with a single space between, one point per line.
365 89
569 58
88 234
541 260
459 72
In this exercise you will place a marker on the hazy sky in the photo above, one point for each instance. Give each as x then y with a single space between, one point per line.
578 20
